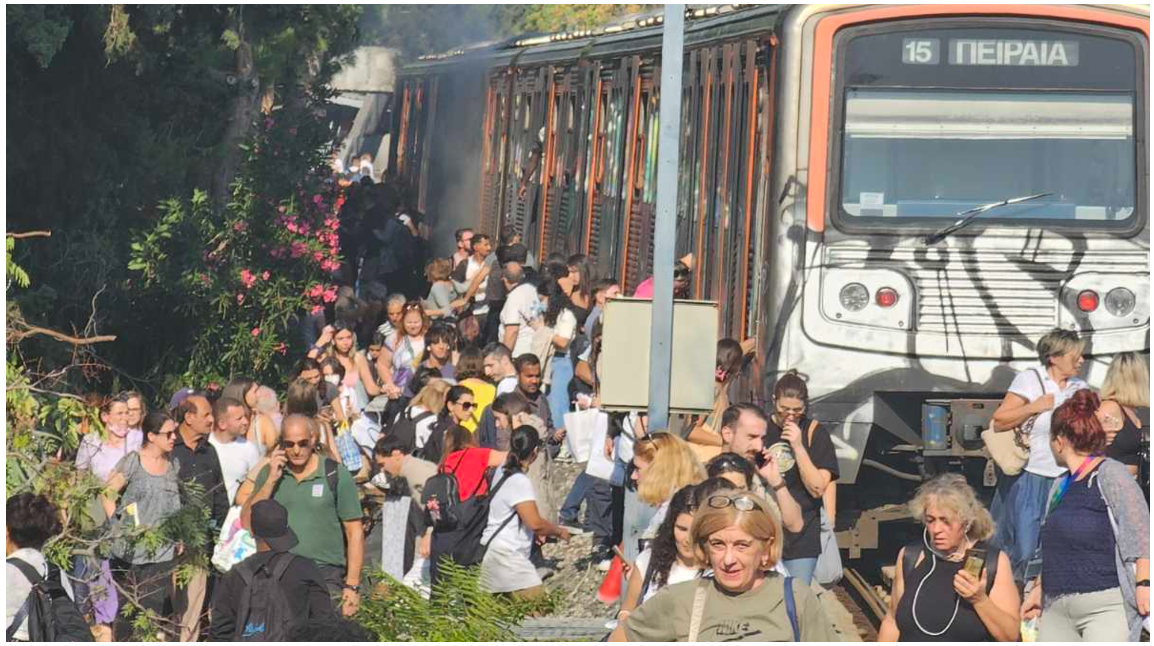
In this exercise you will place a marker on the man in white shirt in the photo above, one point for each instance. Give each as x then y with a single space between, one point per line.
499 368
476 275
464 245
236 454
521 308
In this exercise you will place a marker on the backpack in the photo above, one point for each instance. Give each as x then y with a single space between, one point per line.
474 517
405 428
444 488
698 612
52 616
264 614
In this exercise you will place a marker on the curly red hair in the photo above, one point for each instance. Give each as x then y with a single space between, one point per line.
1077 422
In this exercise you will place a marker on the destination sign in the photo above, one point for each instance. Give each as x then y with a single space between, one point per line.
992 52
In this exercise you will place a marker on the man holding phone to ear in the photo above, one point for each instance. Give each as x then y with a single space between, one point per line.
323 508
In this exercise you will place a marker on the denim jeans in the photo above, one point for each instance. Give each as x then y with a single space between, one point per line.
1018 508
801 569
598 497
559 390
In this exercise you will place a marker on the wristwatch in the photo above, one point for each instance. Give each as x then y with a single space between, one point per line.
1142 583
354 588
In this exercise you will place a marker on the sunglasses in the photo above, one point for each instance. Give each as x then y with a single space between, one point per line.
742 503
288 444
411 305
166 434
681 273
467 405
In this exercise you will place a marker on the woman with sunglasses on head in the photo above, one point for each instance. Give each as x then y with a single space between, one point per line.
740 540
809 447
143 490
936 596
1094 546
734 468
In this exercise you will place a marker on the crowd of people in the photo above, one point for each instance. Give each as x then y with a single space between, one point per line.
423 422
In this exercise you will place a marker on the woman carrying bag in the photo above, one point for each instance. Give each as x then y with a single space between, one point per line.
1020 500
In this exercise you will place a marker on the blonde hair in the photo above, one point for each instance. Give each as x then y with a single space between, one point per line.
1128 380
759 523
950 490
1058 342
672 466
432 396
438 269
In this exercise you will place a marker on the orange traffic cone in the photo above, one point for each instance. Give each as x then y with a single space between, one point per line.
610 591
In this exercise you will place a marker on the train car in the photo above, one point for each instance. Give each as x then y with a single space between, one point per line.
825 149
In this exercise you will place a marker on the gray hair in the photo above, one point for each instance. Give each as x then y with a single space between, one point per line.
950 490
395 297
1058 342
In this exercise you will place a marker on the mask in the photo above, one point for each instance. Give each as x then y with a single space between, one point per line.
333 379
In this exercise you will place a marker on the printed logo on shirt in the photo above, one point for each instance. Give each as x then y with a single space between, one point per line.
318 490
732 631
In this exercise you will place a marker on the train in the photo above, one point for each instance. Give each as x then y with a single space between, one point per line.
825 152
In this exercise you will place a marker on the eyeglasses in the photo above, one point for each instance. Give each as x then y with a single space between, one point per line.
742 503
288 444
467 405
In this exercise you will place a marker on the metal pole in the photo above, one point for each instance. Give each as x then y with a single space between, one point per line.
665 229
664 237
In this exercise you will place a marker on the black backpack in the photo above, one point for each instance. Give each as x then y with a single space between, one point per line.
264 614
52 616
474 517
405 428
444 488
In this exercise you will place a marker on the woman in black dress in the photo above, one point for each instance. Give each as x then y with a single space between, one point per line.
934 597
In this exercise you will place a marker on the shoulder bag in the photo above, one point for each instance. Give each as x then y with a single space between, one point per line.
1011 449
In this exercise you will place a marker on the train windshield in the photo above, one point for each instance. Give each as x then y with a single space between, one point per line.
941 121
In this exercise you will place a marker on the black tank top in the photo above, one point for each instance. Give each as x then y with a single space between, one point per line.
936 603
1127 445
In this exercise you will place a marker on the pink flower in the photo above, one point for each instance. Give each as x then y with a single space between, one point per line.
240 227
318 256
317 199
280 209
292 227
256 331
240 299
330 294
298 249
282 348
316 291
317 309
265 276
247 278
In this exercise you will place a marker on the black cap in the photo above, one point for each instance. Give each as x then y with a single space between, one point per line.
270 524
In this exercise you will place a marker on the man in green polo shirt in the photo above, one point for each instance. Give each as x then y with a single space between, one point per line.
328 525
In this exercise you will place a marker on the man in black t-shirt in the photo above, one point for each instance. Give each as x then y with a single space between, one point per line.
303 584
815 467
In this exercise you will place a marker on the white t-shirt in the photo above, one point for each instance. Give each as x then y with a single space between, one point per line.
521 307
507 385
678 573
1026 386
515 536
237 458
18 587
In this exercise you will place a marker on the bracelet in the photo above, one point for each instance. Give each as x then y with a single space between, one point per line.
623 612
1142 583
354 588
780 486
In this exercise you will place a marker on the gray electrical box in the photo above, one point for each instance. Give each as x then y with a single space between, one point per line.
625 345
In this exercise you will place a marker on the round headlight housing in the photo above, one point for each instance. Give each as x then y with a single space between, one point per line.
854 297
1120 301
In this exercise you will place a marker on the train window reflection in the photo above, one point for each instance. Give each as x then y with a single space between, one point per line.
933 153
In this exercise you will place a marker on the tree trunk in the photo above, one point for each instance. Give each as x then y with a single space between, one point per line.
245 84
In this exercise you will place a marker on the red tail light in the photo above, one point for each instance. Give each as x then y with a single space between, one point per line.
886 297
1088 301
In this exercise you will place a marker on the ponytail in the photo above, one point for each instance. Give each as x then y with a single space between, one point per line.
522 443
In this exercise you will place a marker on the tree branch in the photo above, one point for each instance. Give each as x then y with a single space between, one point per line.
31 234
33 330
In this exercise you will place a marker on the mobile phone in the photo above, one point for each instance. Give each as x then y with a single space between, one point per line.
975 561
760 459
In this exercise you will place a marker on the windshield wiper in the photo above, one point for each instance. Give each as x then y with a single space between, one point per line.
943 233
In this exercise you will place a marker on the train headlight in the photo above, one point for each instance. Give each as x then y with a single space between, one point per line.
1120 301
854 297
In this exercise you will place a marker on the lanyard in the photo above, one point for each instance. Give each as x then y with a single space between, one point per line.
1070 477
